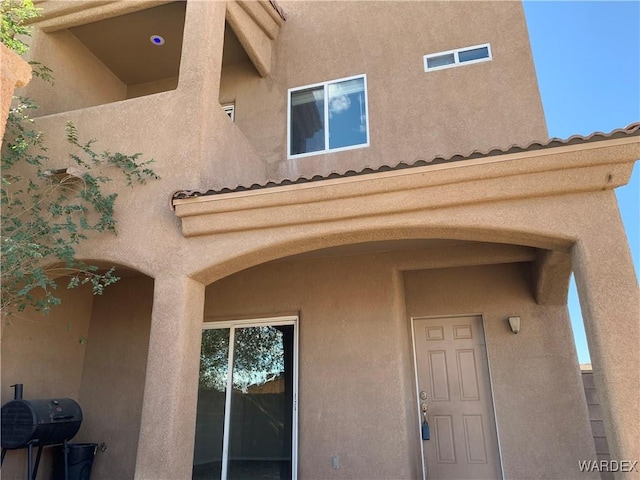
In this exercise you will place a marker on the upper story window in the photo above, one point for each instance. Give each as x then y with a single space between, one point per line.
328 117
455 58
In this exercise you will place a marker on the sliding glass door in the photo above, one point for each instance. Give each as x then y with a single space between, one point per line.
246 420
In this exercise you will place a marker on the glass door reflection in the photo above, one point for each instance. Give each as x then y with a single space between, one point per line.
212 388
245 420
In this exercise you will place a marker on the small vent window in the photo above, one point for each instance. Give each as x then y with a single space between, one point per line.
456 58
441 60
231 111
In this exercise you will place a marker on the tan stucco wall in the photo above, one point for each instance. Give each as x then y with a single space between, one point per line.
350 340
551 222
564 202
470 107
357 393
152 87
90 349
534 374
457 110
80 79
113 374
185 130
196 146
50 346
46 354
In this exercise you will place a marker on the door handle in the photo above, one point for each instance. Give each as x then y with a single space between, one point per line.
426 435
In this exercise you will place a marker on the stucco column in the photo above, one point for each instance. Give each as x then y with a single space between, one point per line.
609 298
170 395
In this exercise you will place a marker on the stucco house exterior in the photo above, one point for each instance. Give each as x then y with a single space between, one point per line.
358 206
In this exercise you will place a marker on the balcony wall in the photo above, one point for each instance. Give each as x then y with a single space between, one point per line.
185 131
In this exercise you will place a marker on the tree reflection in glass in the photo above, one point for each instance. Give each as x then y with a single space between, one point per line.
261 413
214 361
261 407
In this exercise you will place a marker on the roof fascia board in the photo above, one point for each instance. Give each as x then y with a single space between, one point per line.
569 169
463 166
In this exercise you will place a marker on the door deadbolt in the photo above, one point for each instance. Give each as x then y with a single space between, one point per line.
423 395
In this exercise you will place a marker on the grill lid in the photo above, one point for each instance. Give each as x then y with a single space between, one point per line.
39 422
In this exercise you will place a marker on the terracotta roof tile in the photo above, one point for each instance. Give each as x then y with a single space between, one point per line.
629 131
278 9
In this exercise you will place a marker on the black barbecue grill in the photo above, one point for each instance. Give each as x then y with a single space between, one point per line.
38 423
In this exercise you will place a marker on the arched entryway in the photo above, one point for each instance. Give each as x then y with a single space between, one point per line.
92 349
507 258
355 303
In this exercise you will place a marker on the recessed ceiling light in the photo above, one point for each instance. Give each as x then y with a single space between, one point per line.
156 40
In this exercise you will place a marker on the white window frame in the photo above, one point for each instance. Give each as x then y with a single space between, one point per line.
456 55
232 325
326 117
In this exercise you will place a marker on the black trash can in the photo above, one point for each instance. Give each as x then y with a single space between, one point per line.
79 461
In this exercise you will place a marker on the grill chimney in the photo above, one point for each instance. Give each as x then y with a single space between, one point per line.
17 394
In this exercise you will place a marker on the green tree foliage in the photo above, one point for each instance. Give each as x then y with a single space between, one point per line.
45 213
13 29
14 32
258 357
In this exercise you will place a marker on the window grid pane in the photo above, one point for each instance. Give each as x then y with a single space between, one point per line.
307 121
328 116
473 54
441 60
347 113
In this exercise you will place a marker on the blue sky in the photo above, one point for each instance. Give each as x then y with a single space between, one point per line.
587 57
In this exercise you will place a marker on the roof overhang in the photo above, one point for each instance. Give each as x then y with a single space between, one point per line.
256 24
561 170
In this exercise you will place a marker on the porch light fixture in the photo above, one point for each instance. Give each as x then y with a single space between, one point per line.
514 324
157 40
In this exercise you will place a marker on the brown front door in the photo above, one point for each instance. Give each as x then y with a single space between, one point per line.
453 384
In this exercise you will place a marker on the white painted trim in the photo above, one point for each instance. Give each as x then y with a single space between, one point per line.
294 427
325 117
258 322
249 322
456 55
324 85
333 150
227 405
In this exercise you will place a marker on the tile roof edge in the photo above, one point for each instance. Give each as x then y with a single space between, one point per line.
278 9
630 130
